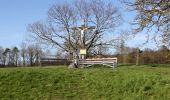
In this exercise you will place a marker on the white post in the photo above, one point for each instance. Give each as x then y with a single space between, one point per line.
82 36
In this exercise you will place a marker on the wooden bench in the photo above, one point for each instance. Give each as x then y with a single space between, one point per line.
112 62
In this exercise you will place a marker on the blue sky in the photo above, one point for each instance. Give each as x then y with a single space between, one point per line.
15 15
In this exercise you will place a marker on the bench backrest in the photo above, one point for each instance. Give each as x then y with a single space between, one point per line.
53 61
105 61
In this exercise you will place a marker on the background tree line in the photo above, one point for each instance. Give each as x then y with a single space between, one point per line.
27 55
147 56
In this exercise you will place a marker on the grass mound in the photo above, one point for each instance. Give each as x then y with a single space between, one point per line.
124 83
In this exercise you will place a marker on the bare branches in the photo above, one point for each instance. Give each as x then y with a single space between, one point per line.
62 18
153 14
106 16
45 33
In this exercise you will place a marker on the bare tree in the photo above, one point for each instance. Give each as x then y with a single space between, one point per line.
62 27
152 15
7 57
15 53
60 54
121 45
23 52
31 56
1 55
34 53
38 54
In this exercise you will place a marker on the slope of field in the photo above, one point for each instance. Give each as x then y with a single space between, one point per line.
123 83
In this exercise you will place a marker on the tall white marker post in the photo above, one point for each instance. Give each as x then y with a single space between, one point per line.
82 28
83 50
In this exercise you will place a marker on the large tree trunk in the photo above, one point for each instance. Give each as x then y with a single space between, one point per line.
75 63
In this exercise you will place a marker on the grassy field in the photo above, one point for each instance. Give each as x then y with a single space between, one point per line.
123 83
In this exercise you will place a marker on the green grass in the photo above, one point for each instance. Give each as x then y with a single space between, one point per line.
123 83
